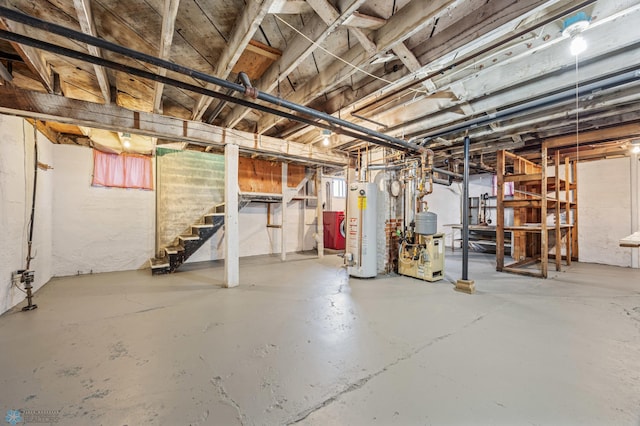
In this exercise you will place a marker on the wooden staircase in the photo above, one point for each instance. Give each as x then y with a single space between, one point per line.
187 244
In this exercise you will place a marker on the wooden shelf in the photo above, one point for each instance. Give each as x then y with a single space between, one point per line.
531 244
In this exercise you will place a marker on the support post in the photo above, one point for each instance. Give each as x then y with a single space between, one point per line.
231 226
558 236
500 169
635 213
567 208
285 201
464 284
319 214
544 235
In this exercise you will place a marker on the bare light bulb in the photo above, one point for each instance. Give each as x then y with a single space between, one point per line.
636 149
325 141
578 45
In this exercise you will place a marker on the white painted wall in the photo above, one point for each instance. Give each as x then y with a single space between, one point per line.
16 186
257 239
97 229
604 211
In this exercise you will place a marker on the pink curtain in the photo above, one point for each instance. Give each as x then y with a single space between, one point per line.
122 171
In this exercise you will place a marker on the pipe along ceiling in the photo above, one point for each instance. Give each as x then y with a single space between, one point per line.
317 118
334 124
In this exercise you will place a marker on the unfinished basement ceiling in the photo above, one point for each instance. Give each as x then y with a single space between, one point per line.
409 69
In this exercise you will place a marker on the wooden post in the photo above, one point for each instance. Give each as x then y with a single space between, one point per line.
319 214
500 213
635 206
558 247
567 208
544 237
285 201
576 248
231 226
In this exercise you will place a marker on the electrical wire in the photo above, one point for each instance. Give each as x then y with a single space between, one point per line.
355 67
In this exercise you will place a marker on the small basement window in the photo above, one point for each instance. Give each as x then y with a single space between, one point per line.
122 171
339 188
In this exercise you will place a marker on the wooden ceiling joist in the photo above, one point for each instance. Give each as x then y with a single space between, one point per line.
610 133
398 28
298 50
85 18
30 55
169 14
245 27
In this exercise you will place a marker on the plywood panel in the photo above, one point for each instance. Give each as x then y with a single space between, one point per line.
295 174
257 175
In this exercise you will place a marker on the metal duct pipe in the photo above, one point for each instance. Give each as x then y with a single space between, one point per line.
442 181
13 15
618 79
6 35
448 173
385 167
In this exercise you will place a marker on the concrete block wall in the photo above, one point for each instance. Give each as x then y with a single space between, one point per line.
16 186
189 185
604 211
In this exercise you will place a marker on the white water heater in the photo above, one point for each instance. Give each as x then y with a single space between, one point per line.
360 255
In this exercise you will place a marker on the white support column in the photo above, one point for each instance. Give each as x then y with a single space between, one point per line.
285 201
319 211
231 227
635 213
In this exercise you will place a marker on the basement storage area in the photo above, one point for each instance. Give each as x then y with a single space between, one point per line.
320 212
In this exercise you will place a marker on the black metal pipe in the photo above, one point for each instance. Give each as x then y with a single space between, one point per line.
618 79
465 212
486 49
103 44
6 35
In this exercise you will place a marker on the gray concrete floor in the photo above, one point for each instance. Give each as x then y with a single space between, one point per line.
301 343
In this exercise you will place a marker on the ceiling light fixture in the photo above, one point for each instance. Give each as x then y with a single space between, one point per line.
326 134
635 146
126 139
573 27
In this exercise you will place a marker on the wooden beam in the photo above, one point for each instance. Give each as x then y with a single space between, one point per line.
85 18
43 106
5 74
610 133
246 25
297 51
360 20
544 235
169 13
409 20
330 14
29 55
407 57
290 7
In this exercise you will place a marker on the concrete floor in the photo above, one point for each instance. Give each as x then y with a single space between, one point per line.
301 343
